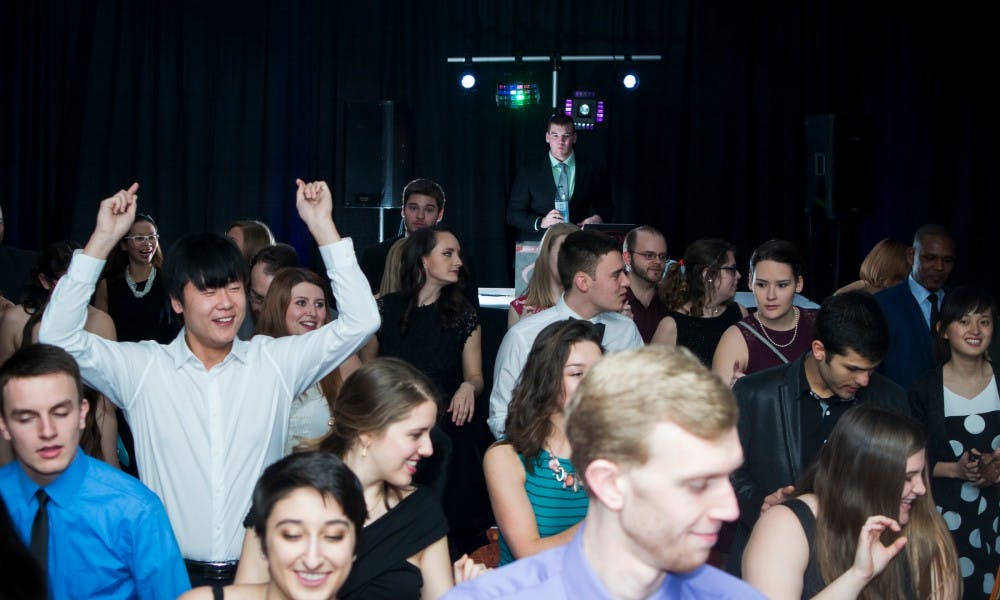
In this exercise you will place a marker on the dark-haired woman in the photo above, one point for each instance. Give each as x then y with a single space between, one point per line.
19 327
862 524
958 405
131 290
778 331
537 496
698 292
431 324
308 511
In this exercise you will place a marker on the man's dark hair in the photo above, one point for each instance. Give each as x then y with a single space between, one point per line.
563 120
425 187
207 260
37 360
278 256
581 251
852 321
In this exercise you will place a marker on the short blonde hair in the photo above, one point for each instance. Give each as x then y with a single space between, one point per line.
627 394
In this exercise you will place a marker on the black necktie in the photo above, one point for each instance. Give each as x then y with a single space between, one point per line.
935 314
40 531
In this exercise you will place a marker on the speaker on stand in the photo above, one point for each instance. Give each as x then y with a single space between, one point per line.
839 192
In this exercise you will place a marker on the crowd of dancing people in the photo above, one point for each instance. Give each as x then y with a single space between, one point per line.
218 420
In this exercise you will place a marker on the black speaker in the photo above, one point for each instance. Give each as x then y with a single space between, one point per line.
378 155
839 165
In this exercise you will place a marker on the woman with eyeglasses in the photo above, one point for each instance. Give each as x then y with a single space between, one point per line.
132 289
698 293
779 331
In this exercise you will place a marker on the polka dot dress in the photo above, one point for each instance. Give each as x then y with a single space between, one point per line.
972 513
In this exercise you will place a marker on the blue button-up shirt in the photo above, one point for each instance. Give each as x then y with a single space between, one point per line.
109 536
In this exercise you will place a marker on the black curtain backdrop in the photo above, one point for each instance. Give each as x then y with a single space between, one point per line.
216 107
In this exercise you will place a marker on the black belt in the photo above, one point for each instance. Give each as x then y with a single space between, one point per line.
211 570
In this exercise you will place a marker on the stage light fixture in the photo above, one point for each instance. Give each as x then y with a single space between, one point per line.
517 94
630 80
585 109
467 80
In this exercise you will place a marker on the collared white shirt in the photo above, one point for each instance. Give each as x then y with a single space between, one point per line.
202 437
620 333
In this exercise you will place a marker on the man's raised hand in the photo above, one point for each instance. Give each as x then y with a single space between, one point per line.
315 205
115 216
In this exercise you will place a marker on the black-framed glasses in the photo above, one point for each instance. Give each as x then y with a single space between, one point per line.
651 256
142 239
730 268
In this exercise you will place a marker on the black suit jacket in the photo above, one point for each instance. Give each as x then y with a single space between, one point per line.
910 345
769 428
534 192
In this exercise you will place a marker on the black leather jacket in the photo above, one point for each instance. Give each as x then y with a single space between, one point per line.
769 429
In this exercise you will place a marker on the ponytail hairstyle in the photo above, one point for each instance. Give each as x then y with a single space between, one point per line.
685 282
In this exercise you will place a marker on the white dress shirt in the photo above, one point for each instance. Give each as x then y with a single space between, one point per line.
203 437
620 333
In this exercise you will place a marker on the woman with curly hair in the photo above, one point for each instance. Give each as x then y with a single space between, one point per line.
698 293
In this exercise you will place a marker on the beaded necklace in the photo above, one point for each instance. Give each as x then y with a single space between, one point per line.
135 289
568 479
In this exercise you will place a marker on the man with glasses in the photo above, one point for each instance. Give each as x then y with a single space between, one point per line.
542 184
645 255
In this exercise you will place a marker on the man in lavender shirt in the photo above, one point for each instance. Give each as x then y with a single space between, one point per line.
654 438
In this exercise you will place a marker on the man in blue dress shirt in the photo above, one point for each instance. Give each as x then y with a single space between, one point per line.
654 441
100 533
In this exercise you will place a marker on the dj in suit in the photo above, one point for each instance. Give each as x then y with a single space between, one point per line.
532 206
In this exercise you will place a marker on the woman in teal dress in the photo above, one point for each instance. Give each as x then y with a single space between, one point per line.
537 496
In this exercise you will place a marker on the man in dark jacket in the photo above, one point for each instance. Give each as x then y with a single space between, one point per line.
787 412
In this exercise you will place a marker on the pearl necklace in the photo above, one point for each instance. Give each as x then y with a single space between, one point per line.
132 286
795 329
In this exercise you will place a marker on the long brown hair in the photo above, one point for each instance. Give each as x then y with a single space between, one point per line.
374 397
860 473
685 283
540 388
271 320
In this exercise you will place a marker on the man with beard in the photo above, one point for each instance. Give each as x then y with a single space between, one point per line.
645 255
654 440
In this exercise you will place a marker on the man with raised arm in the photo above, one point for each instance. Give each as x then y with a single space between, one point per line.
209 411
